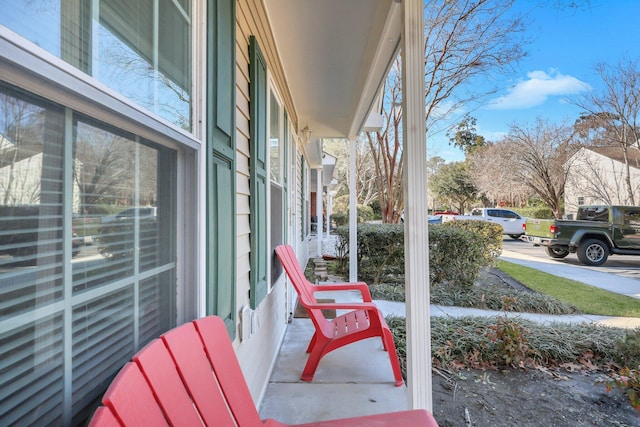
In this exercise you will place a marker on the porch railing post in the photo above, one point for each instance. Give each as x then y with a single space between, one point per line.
353 212
415 218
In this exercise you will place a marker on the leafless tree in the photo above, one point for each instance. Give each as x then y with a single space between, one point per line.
365 181
616 110
104 169
492 169
596 181
129 70
464 40
540 154
386 150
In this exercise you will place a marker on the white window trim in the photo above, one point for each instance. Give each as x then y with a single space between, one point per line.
272 90
25 64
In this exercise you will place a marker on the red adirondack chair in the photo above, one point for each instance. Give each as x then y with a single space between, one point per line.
191 377
364 320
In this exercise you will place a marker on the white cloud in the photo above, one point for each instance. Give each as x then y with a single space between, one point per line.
537 89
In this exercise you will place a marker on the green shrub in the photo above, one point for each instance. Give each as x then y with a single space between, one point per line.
340 219
541 212
457 252
487 235
365 213
489 342
380 250
388 291
628 349
497 298
375 207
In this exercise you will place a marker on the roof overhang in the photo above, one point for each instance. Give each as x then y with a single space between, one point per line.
336 55
328 170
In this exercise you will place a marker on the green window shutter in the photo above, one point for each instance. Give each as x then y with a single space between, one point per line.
303 192
258 172
221 163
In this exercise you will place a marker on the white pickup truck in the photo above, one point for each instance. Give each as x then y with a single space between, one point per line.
510 221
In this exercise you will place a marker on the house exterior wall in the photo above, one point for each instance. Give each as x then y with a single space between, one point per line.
257 353
139 297
593 178
71 315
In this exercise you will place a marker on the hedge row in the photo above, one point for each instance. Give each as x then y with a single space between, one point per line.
458 250
539 212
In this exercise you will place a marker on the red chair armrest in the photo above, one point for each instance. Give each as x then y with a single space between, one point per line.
355 286
369 306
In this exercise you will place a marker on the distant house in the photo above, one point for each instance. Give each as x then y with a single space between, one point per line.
597 175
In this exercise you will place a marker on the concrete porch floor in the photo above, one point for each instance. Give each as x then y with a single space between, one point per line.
351 381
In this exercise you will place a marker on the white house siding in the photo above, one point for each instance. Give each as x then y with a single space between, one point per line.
257 353
78 93
594 178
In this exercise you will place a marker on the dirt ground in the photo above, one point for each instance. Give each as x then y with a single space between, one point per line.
528 398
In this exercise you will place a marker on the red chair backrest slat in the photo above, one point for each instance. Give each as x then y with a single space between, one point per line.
191 361
157 366
219 350
289 261
131 400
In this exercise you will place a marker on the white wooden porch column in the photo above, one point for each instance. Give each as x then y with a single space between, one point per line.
416 246
353 212
329 212
319 220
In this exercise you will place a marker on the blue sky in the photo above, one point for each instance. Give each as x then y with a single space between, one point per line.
564 47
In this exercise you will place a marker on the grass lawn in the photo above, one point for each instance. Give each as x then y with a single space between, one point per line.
587 298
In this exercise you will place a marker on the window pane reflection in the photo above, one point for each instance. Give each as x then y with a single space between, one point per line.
125 191
141 49
104 185
156 73
30 203
38 22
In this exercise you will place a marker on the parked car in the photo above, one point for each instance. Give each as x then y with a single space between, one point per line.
20 232
435 219
597 232
140 212
511 222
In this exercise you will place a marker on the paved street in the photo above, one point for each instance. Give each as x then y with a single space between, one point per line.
620 274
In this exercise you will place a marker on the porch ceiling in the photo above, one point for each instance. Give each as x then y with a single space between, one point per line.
335 55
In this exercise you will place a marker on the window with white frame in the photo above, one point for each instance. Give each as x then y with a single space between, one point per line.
276 173
87 255
141 49
89 200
